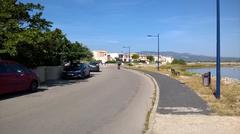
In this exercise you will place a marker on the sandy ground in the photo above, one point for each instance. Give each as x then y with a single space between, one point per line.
195 124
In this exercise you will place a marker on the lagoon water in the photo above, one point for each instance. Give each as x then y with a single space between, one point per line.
231 72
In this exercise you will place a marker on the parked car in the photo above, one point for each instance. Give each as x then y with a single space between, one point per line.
16 77
94 67
79 70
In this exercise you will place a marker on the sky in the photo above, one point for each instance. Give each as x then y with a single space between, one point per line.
186 26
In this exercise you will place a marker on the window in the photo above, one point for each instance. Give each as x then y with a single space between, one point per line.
25 69
13 68
3 68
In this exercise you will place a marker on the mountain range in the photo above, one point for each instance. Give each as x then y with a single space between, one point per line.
190 57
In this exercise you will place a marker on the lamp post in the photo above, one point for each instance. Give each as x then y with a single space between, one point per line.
218 57
157 36
129 52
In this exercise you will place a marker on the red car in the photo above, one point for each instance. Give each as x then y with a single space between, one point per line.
15 77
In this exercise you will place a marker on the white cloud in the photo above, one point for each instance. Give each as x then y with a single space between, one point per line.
125 3
187 21
85 2
112 41
174 33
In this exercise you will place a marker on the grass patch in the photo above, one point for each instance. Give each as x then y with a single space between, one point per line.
229 104
146 124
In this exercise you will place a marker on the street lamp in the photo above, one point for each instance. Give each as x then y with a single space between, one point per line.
218 57
158 47
129 52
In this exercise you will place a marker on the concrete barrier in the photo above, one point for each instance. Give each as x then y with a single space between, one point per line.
53 72
41 72
48 72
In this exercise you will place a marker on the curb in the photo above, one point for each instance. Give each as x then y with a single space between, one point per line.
154 108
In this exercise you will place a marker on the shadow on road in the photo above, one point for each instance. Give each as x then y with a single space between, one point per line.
64 82
45 86
20 93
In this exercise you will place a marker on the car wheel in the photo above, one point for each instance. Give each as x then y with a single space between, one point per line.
34 86
83 75
88 74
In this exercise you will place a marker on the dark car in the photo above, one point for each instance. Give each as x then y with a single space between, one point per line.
80 70
94 67
16 77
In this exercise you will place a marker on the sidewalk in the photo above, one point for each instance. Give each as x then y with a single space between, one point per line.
176 98
195 124
182 111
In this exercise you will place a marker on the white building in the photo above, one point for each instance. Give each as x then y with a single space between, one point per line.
125 57
100 55
112 56
143 58
104 56
164 59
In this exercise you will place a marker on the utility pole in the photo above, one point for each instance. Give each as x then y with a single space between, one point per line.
129 54
218 57
158 52
158 64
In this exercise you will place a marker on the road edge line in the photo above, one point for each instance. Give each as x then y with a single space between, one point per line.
153 108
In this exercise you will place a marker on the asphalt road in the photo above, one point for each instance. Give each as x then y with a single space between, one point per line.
111 102
176 98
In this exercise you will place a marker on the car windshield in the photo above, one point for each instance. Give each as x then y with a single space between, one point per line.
3 68
73 67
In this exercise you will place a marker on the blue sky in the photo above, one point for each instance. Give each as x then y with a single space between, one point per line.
183 25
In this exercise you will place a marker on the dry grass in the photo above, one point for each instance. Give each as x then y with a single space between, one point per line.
148 116
229 104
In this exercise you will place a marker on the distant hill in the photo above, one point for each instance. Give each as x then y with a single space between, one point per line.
190 57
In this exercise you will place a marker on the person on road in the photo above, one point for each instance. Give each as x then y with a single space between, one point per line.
119 64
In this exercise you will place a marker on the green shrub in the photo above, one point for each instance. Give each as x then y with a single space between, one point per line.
150 58
179 62
112 62
135 56
130 64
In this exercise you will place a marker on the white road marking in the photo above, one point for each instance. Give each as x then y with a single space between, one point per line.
182 109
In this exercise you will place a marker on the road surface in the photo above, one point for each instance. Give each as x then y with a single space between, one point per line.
181 111
110 102
176 98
